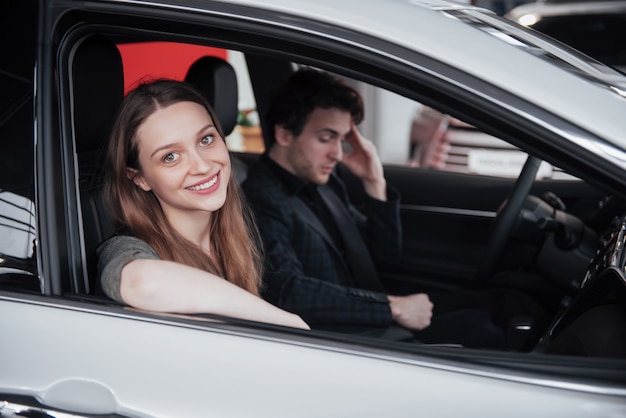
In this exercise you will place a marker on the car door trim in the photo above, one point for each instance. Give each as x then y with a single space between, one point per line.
449 211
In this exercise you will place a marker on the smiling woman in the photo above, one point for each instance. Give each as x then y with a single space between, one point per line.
185 226
182 157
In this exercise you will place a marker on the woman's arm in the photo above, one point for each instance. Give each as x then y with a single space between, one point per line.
165 286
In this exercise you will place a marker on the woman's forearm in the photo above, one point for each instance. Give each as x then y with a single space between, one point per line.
165 286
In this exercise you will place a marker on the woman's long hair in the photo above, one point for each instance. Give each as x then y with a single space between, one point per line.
235 253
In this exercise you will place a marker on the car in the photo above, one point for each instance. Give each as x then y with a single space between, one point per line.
68 350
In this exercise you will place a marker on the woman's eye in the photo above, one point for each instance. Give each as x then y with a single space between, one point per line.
207 140
170 158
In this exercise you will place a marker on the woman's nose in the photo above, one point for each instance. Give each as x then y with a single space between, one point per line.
198 164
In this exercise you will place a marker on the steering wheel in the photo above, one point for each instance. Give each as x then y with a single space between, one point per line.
505 219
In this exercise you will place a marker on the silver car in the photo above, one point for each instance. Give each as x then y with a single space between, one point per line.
67 350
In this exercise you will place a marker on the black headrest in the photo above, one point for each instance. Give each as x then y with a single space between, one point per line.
217 81
98 90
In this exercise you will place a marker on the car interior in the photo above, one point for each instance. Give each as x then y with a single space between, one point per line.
457 233
549 269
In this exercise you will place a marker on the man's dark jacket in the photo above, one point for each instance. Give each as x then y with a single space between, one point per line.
305 271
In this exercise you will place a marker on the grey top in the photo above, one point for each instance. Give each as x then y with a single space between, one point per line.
113 255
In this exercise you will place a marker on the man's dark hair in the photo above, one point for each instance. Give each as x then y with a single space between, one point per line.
303 92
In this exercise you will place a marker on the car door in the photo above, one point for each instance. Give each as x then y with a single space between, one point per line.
447 217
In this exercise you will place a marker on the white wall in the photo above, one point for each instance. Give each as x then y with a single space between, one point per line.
246 97
387 115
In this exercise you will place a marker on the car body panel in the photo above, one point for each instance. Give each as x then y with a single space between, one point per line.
134 380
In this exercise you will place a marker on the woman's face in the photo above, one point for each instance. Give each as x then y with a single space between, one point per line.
184 160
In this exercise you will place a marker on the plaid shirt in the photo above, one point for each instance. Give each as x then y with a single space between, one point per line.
305 271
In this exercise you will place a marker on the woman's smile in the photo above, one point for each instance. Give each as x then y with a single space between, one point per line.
206 186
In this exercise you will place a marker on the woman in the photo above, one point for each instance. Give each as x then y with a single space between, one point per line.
186 227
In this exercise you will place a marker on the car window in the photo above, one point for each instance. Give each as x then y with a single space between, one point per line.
392 120
17 209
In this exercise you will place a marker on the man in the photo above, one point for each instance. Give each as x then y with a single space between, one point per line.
321 251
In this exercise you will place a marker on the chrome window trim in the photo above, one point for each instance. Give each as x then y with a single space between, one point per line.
448 211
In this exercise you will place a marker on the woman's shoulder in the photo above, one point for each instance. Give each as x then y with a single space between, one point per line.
115 253
124 241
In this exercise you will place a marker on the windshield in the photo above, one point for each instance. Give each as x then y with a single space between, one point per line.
544 47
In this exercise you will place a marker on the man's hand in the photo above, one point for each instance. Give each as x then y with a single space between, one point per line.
412 312
364 162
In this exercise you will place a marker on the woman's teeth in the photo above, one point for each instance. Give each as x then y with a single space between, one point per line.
204 185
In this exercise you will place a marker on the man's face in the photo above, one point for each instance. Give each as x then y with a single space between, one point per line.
313 154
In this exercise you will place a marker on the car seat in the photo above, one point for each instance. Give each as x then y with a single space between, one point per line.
97 91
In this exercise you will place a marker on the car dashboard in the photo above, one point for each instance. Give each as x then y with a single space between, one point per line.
612 254
592 319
